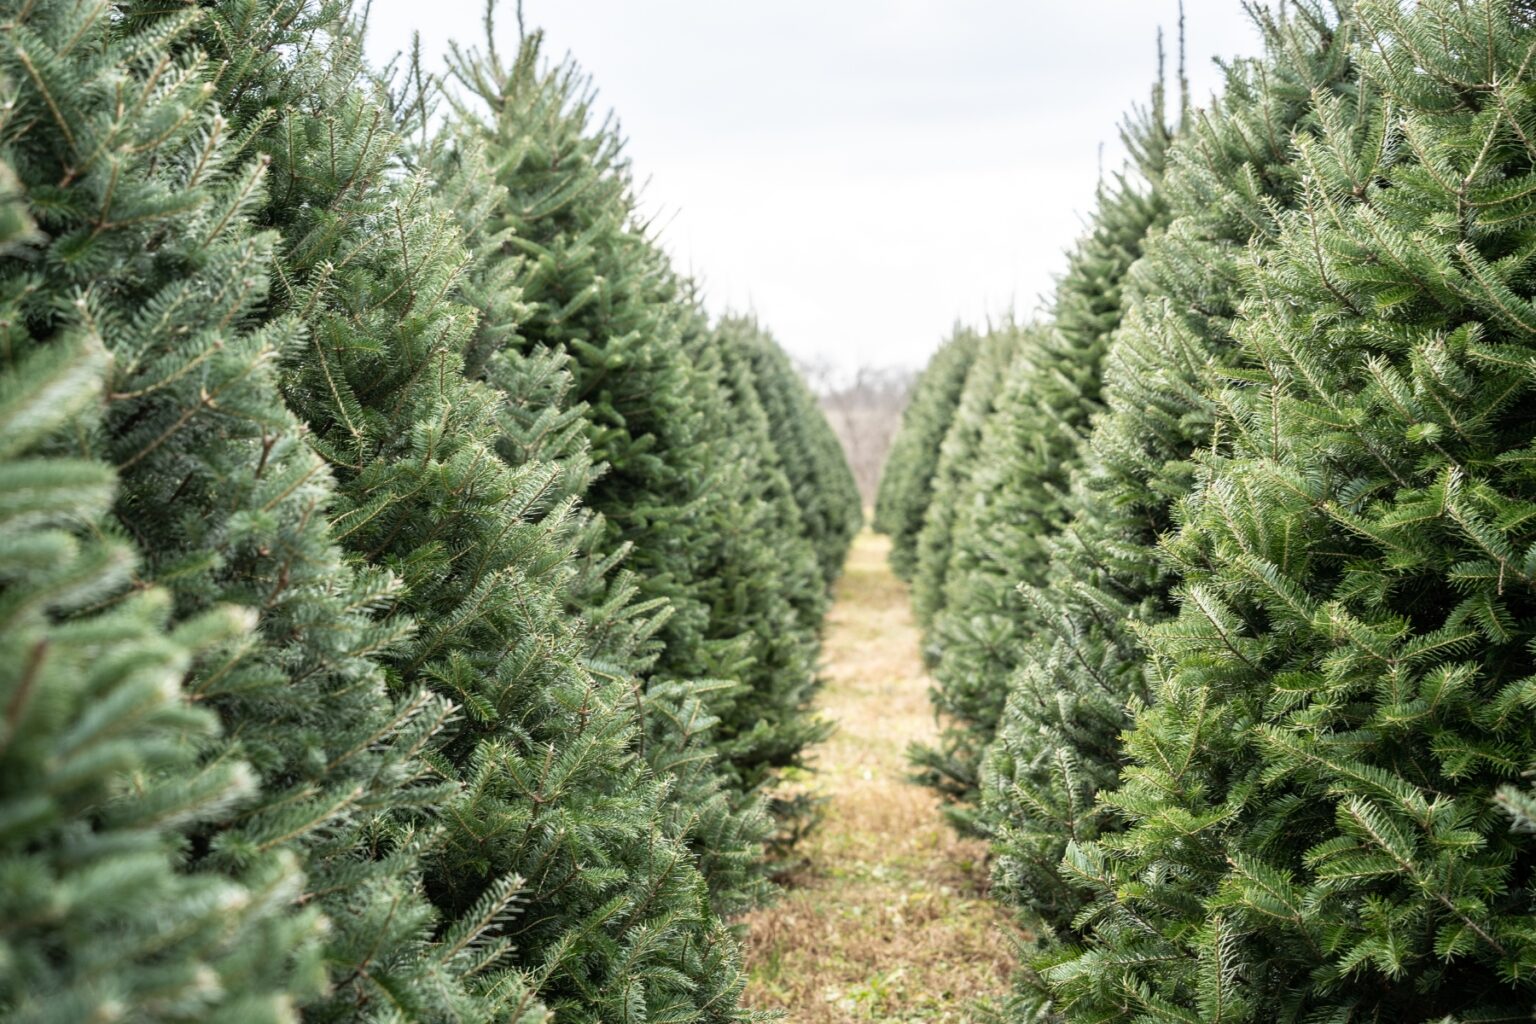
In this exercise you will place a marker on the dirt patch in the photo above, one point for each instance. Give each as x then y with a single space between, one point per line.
888 918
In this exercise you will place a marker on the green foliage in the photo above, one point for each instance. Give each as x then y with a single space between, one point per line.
599 293
410 599
681 476
906 481
98 769
1017 494
813 458
542 422
1313 833
776 590
957 467
1059 739
557 870
146 209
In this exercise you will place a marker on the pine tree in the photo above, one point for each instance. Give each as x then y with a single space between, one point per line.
673 488
598 292
149 238
1019 491
987 535
818 471
777 592
99 776
557 872
1313 833
540 422
1059 742
957 467
906 480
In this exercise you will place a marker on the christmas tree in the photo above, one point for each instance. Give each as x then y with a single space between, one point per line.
1018 490
152 236
956 468
1059 742
776 588
1312 826
99 775
557 870
541 421
813 458
675 489
906 480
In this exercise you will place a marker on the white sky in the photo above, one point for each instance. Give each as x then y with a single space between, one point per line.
861 173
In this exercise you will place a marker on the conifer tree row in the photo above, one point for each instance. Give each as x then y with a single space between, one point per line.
1018 493
1265 752
99 773
1059 739
784 621
541 419
818 471
680 476
906 480
325 697
1074 660
145 214
553 812
953 474
1311 798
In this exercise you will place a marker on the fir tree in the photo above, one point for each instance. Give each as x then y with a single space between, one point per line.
673 488
812 456
598 292
146 206
557 818
957 467
541 422
906 480
1313 833
1059 740
99 777
775 589
1025 457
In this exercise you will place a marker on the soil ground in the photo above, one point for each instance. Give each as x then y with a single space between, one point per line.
886 919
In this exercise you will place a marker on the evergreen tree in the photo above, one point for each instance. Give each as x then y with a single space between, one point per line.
1313 834
540 422
1059 739
777 592
1019 491
556 815
598 292
736 341
906 481
673 486
957 467
146 207
812 456
99 777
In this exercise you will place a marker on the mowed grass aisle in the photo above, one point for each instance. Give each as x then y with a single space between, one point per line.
887 918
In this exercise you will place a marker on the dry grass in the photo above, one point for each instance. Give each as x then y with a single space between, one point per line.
888 920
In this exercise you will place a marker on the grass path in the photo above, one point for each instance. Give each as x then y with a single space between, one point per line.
887 919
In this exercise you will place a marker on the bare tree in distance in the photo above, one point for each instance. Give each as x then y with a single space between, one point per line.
864 407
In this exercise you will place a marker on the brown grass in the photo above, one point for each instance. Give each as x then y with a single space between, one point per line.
888 918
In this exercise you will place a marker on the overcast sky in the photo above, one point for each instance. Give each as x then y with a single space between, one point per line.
861 173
